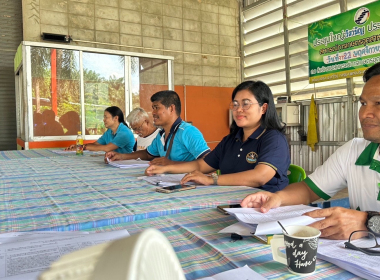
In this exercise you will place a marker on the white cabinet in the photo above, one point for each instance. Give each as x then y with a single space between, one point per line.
289 113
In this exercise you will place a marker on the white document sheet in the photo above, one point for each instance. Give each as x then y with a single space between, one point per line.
242 273
239 228
267 222
131 163
22 236
354 261
25 259
165 179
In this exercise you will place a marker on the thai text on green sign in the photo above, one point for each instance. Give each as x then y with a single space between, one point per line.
344 45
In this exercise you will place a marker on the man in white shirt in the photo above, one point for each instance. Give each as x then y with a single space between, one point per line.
140 123
355 165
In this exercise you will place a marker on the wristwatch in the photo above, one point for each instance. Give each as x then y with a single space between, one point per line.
215 177
373 222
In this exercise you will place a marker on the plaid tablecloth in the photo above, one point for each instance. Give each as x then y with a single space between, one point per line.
24 154
78 193
203 252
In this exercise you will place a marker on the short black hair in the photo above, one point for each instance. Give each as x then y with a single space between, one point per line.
168 98
374 70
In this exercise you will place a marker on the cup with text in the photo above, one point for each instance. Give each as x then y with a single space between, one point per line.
301 243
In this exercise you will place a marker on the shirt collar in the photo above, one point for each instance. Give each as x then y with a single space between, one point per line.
172 129
174 125
368 157
255 135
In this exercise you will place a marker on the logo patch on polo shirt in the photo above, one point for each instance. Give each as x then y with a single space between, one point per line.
251 157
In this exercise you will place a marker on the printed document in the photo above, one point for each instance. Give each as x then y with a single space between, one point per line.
130 163
27 258
236 274
266 223
353 261
165 179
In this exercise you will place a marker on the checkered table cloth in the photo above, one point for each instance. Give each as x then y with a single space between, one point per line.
24 154
203 252
81 192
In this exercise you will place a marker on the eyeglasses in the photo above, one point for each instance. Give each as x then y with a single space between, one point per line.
234 105
363 241
139 128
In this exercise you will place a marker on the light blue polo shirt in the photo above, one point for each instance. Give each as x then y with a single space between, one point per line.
188 143
123 138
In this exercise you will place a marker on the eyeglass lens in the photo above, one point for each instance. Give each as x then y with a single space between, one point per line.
234 106
363 239
138 128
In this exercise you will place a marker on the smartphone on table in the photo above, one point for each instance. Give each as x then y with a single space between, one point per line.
175 188
221 208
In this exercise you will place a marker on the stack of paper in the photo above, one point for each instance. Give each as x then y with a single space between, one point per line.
353 261
131 163
236 274
165 179
266 223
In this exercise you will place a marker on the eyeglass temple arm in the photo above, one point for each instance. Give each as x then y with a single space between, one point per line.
366 251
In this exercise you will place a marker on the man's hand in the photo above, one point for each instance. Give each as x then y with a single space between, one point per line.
161 161
263 200
197 177
339 222
71 148
155 169
112 156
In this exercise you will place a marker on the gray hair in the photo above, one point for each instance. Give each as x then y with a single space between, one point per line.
137 115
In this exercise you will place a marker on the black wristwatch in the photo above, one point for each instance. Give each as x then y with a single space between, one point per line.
373 222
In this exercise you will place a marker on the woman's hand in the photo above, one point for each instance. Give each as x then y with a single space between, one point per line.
71 148
197 177
155 169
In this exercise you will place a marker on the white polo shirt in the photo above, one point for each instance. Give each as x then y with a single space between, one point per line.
355 165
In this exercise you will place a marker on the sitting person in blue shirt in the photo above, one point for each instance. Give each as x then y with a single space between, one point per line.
176 141
118 136
254 154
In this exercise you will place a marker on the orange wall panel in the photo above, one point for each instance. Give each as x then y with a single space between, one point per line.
207 108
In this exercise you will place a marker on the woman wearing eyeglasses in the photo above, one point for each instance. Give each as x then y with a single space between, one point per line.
118 137
254 154
141 125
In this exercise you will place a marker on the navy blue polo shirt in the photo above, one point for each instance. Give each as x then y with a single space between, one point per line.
262 147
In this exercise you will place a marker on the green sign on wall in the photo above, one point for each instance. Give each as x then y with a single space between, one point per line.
344 45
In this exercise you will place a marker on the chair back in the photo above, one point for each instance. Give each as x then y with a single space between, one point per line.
297 174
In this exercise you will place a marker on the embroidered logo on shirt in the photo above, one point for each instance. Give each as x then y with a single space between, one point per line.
251 157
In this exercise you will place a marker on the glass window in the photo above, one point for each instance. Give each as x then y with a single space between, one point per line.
104 86
149 77
55 91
